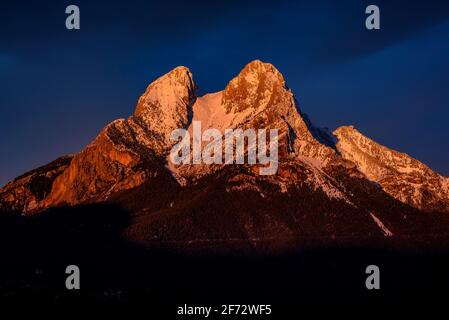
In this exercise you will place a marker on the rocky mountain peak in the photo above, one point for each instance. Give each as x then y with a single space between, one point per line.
260 68
399 174
376 157
167 102
256 86
261 98
165 105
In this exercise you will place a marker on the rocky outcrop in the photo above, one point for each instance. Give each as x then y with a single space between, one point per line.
25 193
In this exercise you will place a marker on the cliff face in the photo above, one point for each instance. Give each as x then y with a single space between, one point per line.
339 183
128 152
261 99
165 106
26 193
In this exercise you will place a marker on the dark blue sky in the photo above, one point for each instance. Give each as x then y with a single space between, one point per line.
58 88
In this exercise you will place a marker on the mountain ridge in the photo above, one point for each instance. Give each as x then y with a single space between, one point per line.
338 178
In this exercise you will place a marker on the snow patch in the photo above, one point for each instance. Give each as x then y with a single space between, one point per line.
379 223
322 180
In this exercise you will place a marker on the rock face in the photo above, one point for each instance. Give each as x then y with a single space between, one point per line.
128 152
326 184
165 106
261 99
24 193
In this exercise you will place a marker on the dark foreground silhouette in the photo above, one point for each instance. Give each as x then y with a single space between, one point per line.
36 250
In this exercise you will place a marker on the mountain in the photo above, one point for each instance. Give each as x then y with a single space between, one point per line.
401 176
327 184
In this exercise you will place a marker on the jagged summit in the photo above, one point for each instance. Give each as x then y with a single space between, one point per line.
349 127
260 68
165 106
255 86
167 92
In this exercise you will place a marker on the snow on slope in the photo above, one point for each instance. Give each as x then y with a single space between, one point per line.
380 224
400 175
